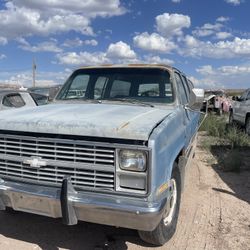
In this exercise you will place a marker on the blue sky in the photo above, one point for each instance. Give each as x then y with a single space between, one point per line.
209 40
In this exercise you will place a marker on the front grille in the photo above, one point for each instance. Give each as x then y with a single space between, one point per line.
90 165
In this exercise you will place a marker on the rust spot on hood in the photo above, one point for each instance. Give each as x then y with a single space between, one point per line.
123 126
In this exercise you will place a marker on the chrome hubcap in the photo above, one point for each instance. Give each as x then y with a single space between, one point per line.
170 210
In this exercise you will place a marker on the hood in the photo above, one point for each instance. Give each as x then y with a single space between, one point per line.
98 120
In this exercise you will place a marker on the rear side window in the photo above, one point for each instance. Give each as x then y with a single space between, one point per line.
181 89
186 86
13 101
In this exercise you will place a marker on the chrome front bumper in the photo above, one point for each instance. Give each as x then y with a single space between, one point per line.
72 206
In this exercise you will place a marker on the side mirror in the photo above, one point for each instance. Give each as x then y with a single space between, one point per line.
234 98
197 97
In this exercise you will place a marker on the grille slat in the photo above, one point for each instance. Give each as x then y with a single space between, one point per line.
52 149
90 165
53 145
54 155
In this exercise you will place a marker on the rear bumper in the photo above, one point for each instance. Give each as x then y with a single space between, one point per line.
72 206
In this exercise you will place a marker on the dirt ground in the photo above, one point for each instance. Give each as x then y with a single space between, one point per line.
215 214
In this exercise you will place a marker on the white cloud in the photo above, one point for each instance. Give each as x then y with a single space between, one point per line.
2 56
120 50
153 42
18 22
25 17
195 81
229 76
222 49
223 35
234 2
170 25
3 40
207 29
222 19
49 46
157 60
83 58
206 70
234 70
24 78
88 8
77 42
176 1
91 42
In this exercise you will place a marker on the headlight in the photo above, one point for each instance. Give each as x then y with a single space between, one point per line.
132 160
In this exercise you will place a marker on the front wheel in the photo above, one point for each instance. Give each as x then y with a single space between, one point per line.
247 125
167 226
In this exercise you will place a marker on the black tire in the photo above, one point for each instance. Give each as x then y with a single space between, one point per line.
231 118
164 231
247 126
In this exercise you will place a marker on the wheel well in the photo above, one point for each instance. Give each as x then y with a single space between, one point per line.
181 153
180 167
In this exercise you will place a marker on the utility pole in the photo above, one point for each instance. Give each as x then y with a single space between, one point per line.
34 72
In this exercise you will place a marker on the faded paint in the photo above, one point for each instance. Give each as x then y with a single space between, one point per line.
86 119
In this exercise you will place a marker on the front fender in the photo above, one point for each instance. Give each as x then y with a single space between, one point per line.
167 140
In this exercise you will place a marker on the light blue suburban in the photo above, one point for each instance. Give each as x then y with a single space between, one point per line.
112 149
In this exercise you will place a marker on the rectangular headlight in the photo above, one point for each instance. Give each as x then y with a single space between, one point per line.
133 160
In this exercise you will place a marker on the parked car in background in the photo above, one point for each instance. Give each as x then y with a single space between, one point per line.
112 149
49 92
240 111
39 98
216 101
15 99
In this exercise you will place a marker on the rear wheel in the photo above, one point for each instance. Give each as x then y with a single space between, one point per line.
247 125
167 226
231 118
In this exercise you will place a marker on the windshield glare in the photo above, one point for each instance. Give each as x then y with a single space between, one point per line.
142 84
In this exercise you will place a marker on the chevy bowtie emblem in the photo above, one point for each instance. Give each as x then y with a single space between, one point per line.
35 162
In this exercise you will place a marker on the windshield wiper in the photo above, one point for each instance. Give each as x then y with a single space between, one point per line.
85 99
131 100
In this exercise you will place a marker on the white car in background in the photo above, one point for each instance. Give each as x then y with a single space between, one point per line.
15 99
240 111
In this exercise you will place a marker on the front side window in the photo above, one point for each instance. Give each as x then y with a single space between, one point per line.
181 89
144 84
78 87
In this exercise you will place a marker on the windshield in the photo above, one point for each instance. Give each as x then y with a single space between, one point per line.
119 84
